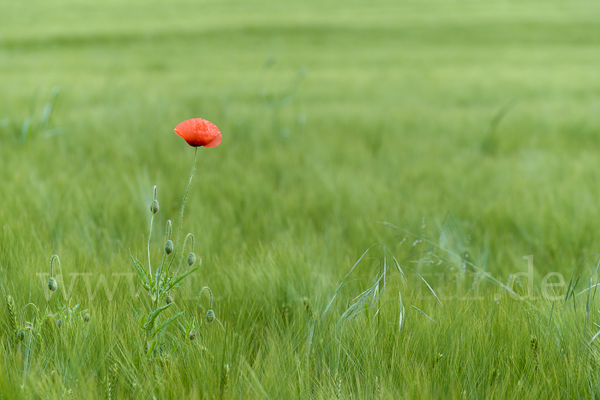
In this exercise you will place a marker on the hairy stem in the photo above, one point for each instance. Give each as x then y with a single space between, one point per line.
183 207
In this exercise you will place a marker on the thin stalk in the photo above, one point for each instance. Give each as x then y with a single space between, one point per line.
62 283
150 232
210 295
183 207
183 247
161 267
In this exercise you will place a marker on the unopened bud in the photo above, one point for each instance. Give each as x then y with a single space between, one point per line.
20 335
169 247
193 335
86 318
52 284
210 316
168 299
191 259
154 206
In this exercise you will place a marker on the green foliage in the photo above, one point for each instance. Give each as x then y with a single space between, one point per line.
163 283
36 125
481 117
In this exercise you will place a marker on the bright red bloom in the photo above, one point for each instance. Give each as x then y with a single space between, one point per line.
199 132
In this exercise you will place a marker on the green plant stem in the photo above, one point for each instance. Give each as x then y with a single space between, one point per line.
182 252
148 246
150 232
62 283
183 208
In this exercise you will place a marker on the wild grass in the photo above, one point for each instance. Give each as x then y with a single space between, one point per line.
471 127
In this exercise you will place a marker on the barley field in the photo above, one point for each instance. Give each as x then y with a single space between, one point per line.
405 202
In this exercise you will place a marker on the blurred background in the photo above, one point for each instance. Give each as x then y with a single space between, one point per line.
476 124
473 127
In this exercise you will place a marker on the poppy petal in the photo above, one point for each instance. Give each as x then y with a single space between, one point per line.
199 132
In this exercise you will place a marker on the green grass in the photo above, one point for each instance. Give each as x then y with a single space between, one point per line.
474 125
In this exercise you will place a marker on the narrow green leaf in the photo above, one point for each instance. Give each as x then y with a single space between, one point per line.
155 314
166 323
178 279
140 271
151 347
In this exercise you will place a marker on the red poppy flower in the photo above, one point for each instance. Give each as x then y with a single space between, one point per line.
199 132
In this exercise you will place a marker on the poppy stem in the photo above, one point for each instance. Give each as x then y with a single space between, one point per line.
150 232
182 252
210 296
62 283
183 206
54 257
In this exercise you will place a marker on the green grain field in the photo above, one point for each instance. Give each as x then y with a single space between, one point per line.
405 203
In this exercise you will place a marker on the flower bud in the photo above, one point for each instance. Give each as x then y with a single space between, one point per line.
59 323
193 335
20 335
52 284
86 318
169 247
168 299
154 206
210 316
191 259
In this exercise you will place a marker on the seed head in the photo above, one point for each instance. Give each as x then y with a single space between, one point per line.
225 380
52 284
86 318
59 323
154 206
168 299
169 247
20 335
191 259
12 313
210 316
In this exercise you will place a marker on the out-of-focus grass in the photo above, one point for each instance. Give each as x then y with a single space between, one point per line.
334 115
